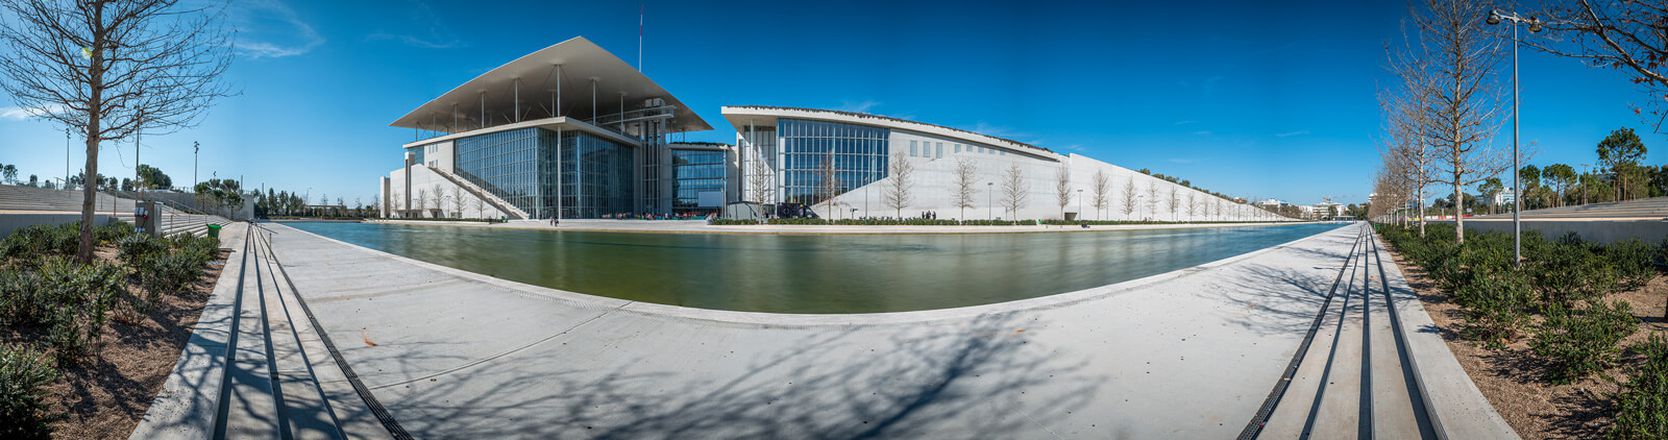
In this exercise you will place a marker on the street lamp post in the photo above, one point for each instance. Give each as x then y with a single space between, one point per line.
1495 17
990 208
1080 203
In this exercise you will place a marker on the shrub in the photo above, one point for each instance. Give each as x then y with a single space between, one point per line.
75 298
1578 342
23 406
1495 305
22 301
1632 259
136 248
1642 404
113 231
1570 271
36 240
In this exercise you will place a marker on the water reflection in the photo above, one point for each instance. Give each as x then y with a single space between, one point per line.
813 273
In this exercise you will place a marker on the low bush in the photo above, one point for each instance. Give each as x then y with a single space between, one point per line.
1571 271
24 375
1632 260
113 231
32 241
73 301
1578 342
1495 305
1642 404
134 249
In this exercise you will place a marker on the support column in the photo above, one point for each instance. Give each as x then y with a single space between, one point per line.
517 117
483 109
556 99
593 99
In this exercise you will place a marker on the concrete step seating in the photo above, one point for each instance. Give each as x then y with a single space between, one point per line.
1651 208
22 198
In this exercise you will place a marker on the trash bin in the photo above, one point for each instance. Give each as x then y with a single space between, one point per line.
214 230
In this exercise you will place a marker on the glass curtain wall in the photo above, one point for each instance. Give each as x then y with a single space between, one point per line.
504 163
520 166
858 153
597 179
696 172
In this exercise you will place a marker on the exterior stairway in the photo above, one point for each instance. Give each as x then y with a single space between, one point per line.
482 193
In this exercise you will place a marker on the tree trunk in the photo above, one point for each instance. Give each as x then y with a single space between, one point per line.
89 188
1459 210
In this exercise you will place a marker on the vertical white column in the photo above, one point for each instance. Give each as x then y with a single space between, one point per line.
517 117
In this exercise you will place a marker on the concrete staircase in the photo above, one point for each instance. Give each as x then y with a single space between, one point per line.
482 193
1651 208
22 199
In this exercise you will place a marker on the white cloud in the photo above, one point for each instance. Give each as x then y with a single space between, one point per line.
429 31
270 29
1291 133
1185 122
858 106
21 113
1203 133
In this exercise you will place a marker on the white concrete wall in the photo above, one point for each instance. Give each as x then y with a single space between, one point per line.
934 188
426 181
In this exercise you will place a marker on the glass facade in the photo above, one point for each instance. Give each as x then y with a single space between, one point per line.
858 154
695 172
519 166
596 176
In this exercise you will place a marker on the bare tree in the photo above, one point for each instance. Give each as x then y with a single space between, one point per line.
1102 187
1015 190
967 184
1152 198
1463 104
111 69
1624 35
1062 189
761 185
829 187
457 201
898 193
480 208
1175 200
437 198
1192 205
422 201
1129 197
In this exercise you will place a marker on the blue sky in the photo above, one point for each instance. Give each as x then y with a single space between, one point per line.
1257 99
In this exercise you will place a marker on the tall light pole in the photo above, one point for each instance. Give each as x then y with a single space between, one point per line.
194 148
990 208
1496 17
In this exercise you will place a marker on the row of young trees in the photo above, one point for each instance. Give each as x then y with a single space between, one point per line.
898 191
1448 101
438 201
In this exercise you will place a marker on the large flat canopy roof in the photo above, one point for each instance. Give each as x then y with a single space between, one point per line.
581 61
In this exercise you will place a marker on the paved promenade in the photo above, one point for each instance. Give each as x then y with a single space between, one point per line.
1189 354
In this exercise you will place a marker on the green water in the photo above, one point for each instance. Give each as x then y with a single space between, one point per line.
813 273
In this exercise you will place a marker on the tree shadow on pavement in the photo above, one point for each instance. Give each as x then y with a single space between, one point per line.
977 378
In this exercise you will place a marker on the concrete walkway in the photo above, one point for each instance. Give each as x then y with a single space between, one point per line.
1187 354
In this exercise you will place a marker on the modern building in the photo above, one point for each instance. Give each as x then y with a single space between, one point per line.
788 155
569 131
